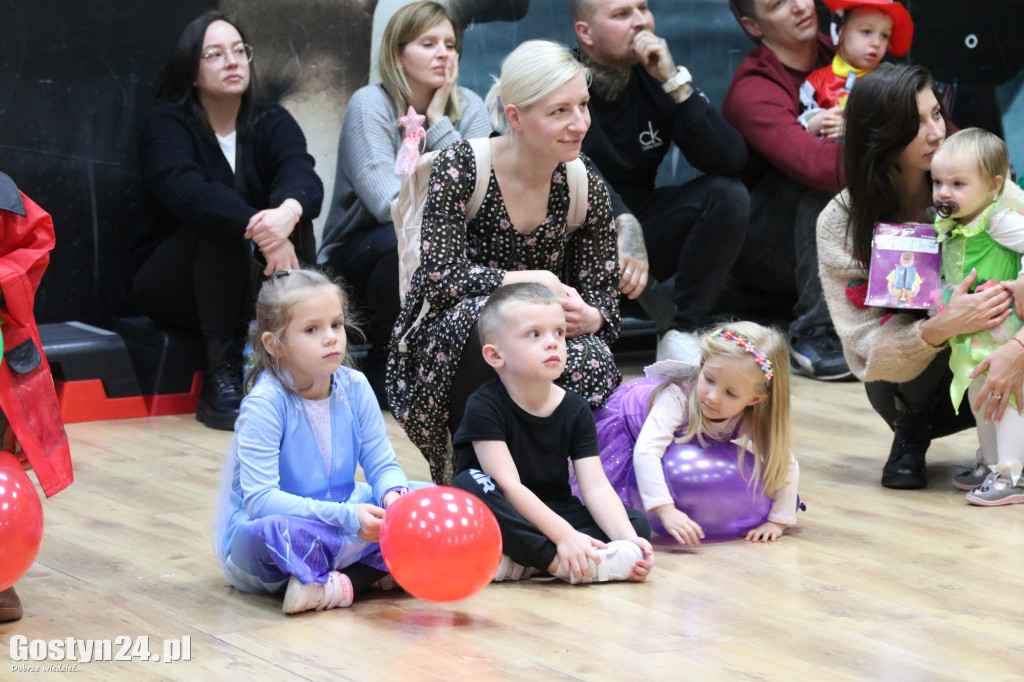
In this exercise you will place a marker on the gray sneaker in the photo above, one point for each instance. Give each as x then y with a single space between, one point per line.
972 478
997 489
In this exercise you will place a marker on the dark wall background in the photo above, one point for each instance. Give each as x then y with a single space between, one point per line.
76 78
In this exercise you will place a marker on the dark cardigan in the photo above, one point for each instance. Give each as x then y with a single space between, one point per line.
190 185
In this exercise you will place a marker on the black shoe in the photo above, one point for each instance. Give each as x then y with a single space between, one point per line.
221 394
905 469
10 605
818 353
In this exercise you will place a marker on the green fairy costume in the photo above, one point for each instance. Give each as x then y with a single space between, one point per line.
971 246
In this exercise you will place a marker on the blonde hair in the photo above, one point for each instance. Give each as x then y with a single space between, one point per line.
277 298
405 26
530 73
496 310
983 148
766 423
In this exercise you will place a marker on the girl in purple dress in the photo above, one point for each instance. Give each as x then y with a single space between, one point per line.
740 390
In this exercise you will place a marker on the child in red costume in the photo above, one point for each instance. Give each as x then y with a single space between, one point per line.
867 29
28 401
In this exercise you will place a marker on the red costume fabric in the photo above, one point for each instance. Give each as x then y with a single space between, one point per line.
27 396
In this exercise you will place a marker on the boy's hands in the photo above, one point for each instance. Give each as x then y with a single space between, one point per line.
370 519
642 568
768 531
574 552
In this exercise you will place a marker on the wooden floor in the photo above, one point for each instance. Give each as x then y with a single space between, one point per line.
873 584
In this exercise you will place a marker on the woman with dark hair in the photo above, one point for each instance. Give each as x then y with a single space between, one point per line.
228 177
894 124
419 62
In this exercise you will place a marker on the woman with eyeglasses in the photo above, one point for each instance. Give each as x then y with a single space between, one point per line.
419 64
230 183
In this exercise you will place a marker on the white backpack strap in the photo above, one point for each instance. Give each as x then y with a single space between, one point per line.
579 189
482 151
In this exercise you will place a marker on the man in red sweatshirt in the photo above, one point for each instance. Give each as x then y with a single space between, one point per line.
791 174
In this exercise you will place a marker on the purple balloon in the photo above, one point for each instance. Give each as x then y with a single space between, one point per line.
708 485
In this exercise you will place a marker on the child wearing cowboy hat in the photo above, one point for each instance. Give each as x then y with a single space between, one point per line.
867 29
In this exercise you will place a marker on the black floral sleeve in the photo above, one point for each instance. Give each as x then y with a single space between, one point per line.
447 274
592 264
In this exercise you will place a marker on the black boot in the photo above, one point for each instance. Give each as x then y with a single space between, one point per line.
905 469
222 384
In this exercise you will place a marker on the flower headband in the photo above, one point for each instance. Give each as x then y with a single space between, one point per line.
743 342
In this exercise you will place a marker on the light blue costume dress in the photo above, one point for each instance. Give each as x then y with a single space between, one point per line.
281 511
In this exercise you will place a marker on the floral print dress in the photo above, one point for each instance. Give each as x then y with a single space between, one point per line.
462 263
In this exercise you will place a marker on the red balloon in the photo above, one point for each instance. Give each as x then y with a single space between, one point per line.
441 544
21 521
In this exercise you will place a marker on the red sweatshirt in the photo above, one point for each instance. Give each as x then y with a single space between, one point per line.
763 102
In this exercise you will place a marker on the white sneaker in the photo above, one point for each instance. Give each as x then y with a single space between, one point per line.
616 564
335 593
510 570
677 345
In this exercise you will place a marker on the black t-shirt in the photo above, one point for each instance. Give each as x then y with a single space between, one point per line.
539 445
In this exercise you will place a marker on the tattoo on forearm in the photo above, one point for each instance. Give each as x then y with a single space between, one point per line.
631 236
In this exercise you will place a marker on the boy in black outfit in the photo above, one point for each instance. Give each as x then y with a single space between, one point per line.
511 449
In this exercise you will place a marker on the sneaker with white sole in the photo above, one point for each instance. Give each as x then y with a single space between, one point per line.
510 570
335 593
972 478
677 345
817 353
617 561
997 489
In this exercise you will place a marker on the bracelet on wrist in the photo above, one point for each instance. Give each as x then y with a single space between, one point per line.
1018 341
298 214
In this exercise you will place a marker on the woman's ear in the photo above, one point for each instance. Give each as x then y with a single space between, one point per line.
492 356
512 116
268 342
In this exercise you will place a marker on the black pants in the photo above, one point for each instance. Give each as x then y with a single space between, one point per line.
198 282
693 232
924 399
368 262
780 251
521 540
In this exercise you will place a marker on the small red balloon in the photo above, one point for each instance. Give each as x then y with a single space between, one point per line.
21 521
441 544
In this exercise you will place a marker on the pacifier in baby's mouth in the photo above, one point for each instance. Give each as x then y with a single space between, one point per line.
946 208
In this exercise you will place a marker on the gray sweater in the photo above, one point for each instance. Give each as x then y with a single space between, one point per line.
365 183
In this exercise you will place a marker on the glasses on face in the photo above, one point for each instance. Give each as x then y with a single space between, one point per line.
217 56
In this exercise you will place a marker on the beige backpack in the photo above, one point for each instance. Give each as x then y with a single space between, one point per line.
407 208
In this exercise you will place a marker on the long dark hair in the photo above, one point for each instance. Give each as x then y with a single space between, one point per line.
176 82
881 120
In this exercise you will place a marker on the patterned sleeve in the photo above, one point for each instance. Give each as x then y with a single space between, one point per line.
448 275
592 267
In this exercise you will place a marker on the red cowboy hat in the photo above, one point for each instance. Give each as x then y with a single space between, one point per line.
902 24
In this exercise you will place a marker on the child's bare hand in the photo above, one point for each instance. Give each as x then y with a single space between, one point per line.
574 552
642 568
1016 287
685 530
768 531
833 123
370 519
